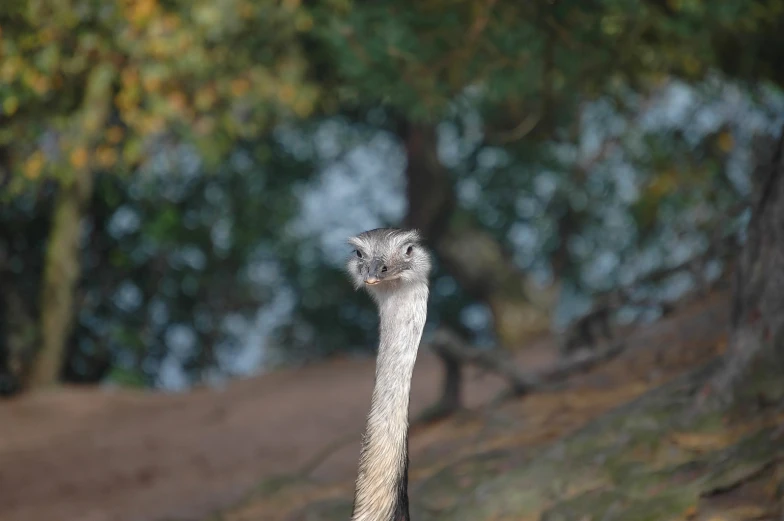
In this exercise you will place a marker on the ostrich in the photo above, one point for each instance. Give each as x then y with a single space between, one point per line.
393 266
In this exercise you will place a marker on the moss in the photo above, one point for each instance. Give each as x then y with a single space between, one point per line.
666 506
327 510
275 484
626 466
652 459
442 492
745 459
615 506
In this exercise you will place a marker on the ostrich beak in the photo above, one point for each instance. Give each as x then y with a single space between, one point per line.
373 275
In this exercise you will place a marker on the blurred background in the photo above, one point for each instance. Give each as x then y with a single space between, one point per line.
179 178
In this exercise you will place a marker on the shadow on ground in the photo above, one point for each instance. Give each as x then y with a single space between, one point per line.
284 446
620 443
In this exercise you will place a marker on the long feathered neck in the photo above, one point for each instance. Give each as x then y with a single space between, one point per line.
382 482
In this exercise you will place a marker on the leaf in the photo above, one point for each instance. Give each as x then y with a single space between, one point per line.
726 142
34 165
79 157
701 441
106 156
114 135
10 105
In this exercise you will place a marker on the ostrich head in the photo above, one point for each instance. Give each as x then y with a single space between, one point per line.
386 259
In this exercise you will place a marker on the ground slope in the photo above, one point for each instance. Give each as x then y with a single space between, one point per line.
563 455
256 449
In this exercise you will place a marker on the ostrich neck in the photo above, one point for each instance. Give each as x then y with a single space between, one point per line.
382 482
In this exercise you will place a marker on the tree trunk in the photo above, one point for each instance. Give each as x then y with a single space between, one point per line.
485 270
431 201
451 400
62 261
452 397
429 190
757 318
19 328
481 266
471 255
60 276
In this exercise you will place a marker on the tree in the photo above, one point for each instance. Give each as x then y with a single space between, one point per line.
757 318
98 89
89 87
534 64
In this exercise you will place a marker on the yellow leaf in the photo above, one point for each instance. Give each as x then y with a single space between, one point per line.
675 5
47 35
240 86
151 83
40 84
749 512
106 156
205 98
34 165
662 184
114 135
246 10
726 142
690 64
10 105
178 101
303 22
152 124
171 22
207 15
130 75
303 107
79 157
287 93
124 100
141 10
10 68
699 441
204 126
159 47
611 24
132 152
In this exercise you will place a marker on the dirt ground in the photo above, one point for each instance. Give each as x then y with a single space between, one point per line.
96 454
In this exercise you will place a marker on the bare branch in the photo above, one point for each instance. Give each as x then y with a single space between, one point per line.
450 344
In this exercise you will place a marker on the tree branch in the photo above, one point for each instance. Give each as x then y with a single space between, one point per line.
449 344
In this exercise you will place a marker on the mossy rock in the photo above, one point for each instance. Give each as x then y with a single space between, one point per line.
627 466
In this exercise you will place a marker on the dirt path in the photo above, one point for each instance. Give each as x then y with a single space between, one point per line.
95 455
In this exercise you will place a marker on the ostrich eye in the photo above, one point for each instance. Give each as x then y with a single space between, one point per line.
410 250
359 253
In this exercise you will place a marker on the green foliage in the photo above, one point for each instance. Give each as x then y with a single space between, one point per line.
164 251
94 84
127 378
123 87
91 84
524 56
